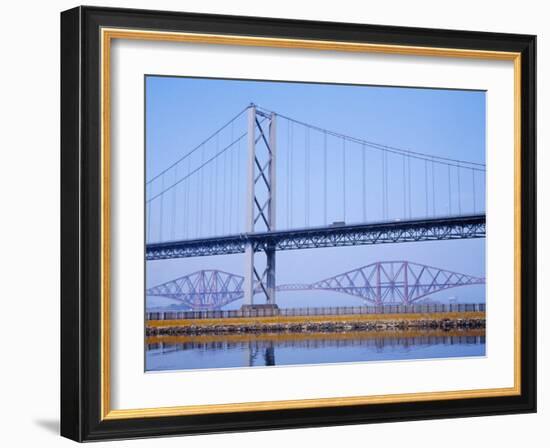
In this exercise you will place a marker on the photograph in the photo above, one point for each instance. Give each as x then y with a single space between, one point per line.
296 223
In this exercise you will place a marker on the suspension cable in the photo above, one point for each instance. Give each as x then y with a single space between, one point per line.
196 148
380 146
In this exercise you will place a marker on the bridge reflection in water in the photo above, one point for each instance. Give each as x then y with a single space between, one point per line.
250 350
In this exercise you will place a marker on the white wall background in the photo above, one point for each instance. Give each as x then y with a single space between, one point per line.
29 224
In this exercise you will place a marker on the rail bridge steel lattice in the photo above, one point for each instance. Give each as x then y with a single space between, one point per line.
381 283
261 216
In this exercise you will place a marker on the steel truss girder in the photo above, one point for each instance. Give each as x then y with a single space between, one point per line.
395 281
380 283
202 290
432 229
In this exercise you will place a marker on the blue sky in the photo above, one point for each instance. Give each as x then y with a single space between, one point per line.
182 112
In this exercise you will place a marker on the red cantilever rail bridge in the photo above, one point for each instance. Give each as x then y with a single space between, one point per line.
380 283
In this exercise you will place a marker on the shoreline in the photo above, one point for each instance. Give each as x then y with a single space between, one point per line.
317 324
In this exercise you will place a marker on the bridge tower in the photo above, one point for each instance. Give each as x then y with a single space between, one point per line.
260 203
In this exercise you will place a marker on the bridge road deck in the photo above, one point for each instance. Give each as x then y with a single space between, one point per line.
427 229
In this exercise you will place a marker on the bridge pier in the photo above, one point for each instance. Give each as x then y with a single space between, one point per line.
271 278
248 284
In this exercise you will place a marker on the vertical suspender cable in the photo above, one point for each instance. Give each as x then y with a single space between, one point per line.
230 217
458 178
174 210
474 189
211 196
306 178
404 187
161 207
364 156
149 222
426 184
188 230
186 203
449 181
288 174
433 187
383 154
238 210
344 176
195 215
202 194
325 180
216 189
198 204
386 209
224 190
409 182
291 171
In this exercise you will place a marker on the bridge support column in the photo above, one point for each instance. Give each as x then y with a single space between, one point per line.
271 278
248 284
261 205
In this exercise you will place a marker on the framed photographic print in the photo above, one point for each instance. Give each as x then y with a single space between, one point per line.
274 223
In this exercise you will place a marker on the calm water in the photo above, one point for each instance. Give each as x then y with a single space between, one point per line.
215 351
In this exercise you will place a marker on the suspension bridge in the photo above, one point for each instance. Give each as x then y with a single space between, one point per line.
265 182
